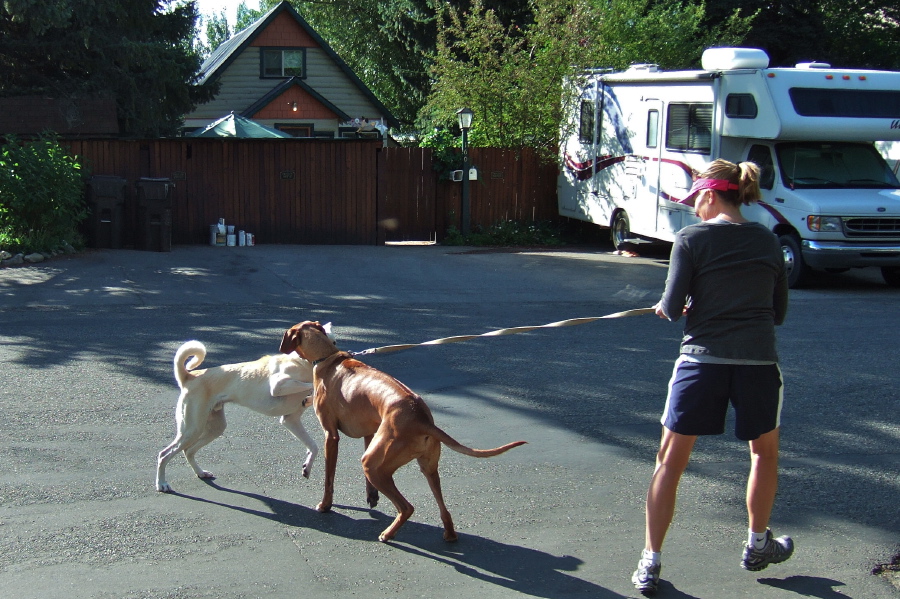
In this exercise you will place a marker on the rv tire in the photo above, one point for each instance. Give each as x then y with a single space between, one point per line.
795 269
891 275
619 229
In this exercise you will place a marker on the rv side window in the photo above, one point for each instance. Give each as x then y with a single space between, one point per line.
854 103
652 128
689 127
586 126
762 157
740 106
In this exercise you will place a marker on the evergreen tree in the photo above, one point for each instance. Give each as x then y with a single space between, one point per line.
139 52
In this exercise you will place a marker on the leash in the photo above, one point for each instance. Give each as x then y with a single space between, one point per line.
510 331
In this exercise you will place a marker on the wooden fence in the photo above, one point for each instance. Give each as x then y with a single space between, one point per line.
318 191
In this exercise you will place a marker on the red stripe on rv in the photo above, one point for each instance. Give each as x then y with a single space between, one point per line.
771 210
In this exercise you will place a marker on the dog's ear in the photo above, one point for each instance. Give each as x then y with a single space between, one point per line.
288 342
327 328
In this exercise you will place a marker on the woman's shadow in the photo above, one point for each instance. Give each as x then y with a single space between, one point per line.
521 569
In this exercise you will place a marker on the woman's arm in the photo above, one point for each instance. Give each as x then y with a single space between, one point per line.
678 281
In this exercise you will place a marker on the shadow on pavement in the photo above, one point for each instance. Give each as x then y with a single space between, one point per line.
807 586
521 569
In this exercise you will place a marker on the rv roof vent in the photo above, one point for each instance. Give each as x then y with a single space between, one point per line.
650 68
813 65
724 59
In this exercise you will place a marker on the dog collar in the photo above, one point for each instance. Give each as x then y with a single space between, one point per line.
320 360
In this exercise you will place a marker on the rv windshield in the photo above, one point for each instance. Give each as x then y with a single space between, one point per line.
834 165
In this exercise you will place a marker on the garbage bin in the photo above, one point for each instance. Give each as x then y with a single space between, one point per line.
154 210
106 201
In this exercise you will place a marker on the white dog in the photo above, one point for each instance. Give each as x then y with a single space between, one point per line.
276 386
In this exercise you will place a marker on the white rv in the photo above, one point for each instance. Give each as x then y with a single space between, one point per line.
638 136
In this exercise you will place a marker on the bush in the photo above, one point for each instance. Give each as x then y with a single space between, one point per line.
509 233
41 196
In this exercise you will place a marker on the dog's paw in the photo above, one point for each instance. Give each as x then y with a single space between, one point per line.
450 536
163 487
206 475
323 507
372 498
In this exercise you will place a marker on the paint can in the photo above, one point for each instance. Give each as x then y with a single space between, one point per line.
242 238
220 233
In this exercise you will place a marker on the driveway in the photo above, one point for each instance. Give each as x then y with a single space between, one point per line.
86 347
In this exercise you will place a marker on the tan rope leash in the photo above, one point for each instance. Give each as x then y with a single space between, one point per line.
511 331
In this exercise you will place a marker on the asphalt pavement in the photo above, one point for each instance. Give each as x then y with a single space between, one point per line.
87 395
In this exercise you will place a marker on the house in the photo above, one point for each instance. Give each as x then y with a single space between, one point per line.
281 73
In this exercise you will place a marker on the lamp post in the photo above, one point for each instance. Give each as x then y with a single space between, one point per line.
465 123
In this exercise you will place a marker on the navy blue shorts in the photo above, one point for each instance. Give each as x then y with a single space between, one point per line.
699 394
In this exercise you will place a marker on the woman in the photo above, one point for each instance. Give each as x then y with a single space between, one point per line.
727 276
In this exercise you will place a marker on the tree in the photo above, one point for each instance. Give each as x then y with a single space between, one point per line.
216 31
669 33
389 44
863 34
510 76
139 52
513 77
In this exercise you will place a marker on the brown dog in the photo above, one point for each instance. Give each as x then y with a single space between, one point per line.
395 423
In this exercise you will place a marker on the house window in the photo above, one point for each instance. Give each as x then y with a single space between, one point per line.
296 129
689 128
282 62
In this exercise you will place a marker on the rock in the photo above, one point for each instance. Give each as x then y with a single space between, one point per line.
68 247
4 255
14 261
34 258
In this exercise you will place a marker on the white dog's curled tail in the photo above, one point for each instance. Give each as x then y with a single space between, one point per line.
194 350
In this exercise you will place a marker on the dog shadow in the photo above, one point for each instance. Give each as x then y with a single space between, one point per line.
514 567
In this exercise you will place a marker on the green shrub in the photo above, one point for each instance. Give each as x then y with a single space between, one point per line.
509 233
41 196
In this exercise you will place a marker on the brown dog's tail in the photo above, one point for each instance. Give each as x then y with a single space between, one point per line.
194 350
475 453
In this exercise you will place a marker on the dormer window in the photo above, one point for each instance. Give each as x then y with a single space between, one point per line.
282 62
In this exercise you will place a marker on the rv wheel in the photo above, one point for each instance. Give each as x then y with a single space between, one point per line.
620 230
794 267
891 275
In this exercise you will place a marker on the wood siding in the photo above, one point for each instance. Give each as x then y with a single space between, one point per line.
304 191
241 87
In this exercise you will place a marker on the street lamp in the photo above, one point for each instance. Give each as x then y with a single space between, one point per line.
465 123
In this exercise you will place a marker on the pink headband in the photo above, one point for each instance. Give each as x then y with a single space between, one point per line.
701 184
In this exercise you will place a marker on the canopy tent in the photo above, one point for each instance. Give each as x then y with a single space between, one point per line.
234 125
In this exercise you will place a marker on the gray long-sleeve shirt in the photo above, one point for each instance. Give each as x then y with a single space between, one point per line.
732 278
